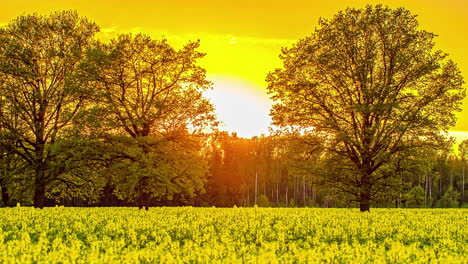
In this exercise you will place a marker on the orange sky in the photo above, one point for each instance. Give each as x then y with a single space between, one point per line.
243 39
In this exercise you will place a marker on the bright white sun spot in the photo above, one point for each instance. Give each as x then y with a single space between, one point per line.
242 106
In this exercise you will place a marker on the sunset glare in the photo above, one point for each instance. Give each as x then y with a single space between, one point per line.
242 107
247 131
242 40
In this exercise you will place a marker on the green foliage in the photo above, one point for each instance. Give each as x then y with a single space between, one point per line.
151 110
78 166
263 201
292 203
370 86
449 199
147 87
41 86
14 178
235 163
415 197
156 166
463 150
98 123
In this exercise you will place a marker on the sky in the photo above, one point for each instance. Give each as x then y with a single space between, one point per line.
243 39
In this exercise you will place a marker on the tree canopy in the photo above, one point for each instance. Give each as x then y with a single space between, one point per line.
149 98
370 84
361 106
148 87
41 91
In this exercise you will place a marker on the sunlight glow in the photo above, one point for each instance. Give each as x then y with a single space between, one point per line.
244 39
459 136
240 105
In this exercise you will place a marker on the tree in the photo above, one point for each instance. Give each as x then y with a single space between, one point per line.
449 199
415 197
151 104
369 83
12 172
40 86
263 201
77 164
463 149
232 170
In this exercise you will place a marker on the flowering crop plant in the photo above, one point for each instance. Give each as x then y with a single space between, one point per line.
232 235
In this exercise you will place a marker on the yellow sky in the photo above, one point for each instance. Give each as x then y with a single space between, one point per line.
243 39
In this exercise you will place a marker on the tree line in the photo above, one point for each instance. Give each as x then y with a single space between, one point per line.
280 171
359 112
268 171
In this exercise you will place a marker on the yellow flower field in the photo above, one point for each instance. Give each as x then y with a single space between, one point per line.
232 235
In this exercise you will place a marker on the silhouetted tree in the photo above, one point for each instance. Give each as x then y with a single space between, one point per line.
369 83
151 107
463 149
40 86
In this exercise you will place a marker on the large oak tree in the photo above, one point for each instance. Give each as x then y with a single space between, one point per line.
370 84
151 100
40 88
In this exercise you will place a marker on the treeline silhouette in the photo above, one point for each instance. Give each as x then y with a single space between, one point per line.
125 123
265 171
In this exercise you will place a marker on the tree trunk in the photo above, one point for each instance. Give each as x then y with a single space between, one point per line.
248 195
143 200
143 195
304 191
4 190
40 174
39 194
426 187
365 192
106 199
294 191
440 182
277 183
463 183
313 190
277 194
451 174
256 186
364 203
430 186
5 195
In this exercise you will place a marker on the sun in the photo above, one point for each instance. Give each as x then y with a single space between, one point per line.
242 106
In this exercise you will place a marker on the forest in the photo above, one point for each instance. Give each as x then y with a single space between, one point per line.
124 123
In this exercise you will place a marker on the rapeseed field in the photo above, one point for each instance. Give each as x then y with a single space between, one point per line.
232 235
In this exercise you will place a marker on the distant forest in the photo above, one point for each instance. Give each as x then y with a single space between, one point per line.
125 123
